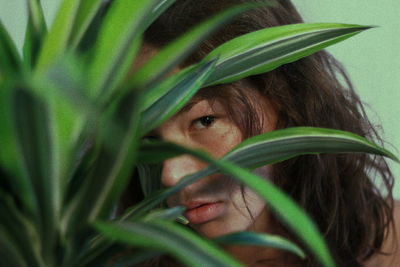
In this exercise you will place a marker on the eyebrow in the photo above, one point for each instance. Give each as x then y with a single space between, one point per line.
189 105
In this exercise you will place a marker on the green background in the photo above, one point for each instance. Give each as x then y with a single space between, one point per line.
372 58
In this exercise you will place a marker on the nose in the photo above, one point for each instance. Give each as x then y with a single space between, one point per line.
175 169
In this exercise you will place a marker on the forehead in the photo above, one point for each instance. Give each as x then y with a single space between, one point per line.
200 103
228 97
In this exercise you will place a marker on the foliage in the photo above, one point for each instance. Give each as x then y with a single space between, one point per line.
71 128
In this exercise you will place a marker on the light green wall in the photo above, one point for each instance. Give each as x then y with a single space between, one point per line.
371 58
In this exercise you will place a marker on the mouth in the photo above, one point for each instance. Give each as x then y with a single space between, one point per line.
198 213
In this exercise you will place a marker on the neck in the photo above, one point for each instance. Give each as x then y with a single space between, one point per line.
263 256
260 256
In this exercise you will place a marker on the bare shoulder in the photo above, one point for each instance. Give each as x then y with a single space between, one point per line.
391 245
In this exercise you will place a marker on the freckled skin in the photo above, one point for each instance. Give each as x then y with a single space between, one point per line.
217 139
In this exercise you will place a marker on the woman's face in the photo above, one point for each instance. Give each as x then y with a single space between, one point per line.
216 205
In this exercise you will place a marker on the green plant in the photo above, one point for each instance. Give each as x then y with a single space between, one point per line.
71 128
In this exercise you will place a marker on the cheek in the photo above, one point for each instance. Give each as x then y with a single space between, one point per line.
221 140
258 203
250 206
247 212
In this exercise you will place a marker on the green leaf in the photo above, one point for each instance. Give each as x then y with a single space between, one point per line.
173 94
150 202
175 52
9 254
280 204
260 239
33 130
115 50
111 168
135 259
287 143
101 246
59 119
62 87
86 13
165 214
160 8
56 41
264 50
285 208
276 146
261 150
9 155
153 94
153 152
147 175
70 117
176 240
15 230
36 30
10 62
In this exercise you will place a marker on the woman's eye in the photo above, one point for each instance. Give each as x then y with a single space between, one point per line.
203 122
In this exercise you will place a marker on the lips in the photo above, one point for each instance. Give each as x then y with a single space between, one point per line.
202 212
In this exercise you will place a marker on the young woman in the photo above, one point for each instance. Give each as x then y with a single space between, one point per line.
338 191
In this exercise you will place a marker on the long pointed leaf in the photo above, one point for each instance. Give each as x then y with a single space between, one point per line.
279 145
147 173
9 255
279 202
153 94
9 155
165 214
86 13
62 88
35 147
116 49
160 8
102 245
135 259
111 169
286 209
282 205
260 239
56 41
261 150
174 53
10 62
178 93
264 50
36 30
17 229
187 247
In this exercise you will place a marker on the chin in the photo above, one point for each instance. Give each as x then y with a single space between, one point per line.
218 228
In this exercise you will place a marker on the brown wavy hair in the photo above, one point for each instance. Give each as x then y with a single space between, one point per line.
339 191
